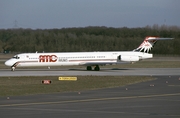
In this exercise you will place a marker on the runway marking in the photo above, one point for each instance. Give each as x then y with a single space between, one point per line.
90 100
174 85
92 111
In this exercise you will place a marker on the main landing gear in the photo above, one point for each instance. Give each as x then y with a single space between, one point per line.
89 68
96 68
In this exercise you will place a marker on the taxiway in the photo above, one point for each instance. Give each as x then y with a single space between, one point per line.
103 72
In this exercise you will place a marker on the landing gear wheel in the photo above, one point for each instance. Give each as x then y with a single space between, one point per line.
89 68
12 68
97 68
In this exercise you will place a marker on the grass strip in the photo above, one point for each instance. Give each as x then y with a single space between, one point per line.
13 86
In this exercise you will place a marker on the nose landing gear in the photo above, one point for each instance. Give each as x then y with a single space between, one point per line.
12 68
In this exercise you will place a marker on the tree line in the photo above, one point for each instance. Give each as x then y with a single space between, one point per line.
84 39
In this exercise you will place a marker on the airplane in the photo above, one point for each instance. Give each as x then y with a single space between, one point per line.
87 59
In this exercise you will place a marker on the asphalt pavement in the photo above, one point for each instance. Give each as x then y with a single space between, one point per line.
159 98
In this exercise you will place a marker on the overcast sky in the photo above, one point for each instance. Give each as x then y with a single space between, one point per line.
48 14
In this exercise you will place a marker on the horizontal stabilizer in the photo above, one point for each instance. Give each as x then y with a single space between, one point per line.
158 38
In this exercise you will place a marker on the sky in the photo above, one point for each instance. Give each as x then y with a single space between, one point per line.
50 14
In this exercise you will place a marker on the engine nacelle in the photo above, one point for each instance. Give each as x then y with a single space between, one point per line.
128 58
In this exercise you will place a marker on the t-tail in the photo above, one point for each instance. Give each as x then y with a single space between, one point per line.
148 44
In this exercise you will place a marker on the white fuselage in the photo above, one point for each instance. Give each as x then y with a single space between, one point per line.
75 58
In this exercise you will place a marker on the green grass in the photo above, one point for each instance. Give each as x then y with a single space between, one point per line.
13 86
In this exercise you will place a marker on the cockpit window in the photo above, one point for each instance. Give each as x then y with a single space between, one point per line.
16 57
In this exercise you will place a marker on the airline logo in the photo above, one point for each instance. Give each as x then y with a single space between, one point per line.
147 44
48 58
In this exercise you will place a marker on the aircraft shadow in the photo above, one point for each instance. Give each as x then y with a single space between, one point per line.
102 69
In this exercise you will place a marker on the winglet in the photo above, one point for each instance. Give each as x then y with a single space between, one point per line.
148 43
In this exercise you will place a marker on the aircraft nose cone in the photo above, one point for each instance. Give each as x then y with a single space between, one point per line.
8 63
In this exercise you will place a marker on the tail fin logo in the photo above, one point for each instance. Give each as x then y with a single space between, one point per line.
148 44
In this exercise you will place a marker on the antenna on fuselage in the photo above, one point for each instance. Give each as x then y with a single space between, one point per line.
36 51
